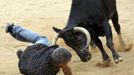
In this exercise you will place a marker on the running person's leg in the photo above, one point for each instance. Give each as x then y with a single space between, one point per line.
25 35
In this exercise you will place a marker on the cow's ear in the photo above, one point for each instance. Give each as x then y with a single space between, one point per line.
56 29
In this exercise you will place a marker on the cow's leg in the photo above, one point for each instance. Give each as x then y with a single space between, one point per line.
109 43
117 27
106 60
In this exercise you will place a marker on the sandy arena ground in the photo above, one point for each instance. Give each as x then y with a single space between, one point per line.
41 15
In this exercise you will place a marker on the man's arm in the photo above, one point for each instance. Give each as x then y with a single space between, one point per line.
66 70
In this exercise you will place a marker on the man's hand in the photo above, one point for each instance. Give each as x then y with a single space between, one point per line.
66 69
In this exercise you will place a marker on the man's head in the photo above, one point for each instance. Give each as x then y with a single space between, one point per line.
61 56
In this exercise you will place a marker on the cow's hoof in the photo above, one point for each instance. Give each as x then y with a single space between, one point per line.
120 59
127 47
104 64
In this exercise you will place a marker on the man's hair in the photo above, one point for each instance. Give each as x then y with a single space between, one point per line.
61 55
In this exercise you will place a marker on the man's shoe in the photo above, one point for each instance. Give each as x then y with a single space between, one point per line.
9 27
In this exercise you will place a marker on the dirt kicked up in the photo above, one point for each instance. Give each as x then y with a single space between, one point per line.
41 15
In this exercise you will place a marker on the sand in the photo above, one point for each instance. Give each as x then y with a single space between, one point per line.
41 15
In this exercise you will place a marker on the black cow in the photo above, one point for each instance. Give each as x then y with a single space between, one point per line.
93 15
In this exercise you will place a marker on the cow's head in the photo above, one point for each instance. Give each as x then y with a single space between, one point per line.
77 38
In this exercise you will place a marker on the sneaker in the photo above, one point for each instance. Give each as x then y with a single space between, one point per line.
9 27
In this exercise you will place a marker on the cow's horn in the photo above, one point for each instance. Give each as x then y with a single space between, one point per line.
55 39
84 31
